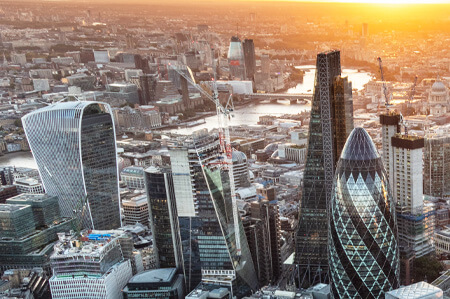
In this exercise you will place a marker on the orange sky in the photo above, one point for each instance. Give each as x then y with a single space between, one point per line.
380 1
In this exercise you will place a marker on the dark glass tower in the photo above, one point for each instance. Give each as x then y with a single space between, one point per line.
363 247
330 125
163 218
250 58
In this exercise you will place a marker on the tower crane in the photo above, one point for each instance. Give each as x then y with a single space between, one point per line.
387 96
223 115
411 97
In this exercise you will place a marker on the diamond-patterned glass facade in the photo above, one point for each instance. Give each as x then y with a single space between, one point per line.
363 246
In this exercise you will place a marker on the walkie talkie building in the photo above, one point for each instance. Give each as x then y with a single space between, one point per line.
363 247
74 146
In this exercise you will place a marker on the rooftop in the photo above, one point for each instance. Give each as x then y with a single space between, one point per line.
417 290
154 276
91 243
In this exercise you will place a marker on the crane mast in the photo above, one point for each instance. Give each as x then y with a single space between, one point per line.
223 115
385 90
411 96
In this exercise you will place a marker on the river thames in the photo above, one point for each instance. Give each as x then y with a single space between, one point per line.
248 115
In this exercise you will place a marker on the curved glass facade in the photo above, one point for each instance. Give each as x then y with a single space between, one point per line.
74 146
363 246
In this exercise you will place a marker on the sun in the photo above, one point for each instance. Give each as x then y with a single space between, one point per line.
384 1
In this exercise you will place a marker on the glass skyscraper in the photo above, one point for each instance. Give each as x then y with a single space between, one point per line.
236 59
74 146
205 213
363 246
330 125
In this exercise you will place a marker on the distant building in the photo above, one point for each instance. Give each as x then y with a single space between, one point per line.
236 60
101 56
265 65
250 58
92 266
436 164
18 58
85 82
240 169
122 91
439 99
158 283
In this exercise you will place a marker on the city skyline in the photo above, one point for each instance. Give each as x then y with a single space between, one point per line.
225 149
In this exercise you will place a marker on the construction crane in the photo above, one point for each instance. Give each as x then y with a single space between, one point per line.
223 115
404 124
409 110
387 96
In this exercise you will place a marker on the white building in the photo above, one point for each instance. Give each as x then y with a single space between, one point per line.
438 100
92 266
240 169
420 290
41 84
442 241
133 176
407 181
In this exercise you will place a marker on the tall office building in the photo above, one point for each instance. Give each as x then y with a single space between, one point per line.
363 249
74 146
330 125
436 168
416 220
250 58
163 218
236 59
265 65
390 125
206 219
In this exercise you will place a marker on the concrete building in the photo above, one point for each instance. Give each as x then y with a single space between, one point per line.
135 210
240 169
92 266
158 283
19 58
7 191
122 91
133 176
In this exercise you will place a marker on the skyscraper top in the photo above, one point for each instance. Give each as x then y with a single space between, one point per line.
359 146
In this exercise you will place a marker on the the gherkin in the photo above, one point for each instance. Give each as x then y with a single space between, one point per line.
363 247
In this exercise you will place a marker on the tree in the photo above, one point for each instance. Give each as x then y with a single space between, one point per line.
18 123
427 268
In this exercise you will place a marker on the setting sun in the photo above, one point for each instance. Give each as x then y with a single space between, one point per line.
382 1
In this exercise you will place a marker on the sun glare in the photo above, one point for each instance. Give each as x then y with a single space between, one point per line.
383 1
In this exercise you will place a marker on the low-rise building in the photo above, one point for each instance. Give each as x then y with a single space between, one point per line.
157 283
